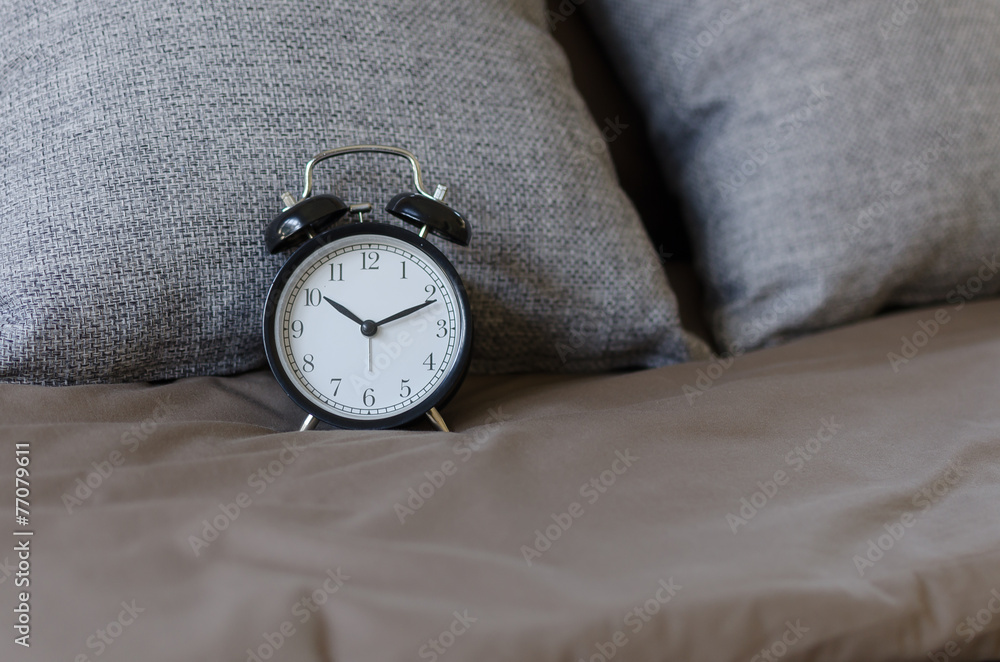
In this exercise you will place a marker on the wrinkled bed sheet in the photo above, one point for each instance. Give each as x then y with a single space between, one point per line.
837 498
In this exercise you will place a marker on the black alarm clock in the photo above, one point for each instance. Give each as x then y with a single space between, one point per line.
367 325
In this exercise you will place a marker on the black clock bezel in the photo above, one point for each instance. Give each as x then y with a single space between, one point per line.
444 391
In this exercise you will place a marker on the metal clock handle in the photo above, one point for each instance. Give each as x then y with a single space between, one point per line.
438 194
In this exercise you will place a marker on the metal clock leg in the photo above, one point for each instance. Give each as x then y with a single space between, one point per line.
435 416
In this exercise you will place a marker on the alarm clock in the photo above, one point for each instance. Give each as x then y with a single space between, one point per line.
367 324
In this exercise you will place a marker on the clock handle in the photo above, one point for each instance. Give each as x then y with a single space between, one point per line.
434 415
378 149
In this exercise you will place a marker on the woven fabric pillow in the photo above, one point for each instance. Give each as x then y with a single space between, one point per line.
836 159
145 146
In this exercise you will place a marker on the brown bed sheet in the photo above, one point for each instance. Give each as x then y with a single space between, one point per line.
811 502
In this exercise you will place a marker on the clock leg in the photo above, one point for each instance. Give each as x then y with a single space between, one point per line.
436 419
309 424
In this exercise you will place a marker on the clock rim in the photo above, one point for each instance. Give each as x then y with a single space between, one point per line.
444 391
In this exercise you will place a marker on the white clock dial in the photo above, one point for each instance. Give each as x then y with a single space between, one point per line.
368 326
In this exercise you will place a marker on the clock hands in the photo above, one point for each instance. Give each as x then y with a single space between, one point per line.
408 311
370 328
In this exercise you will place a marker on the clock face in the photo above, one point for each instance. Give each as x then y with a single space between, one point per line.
367 326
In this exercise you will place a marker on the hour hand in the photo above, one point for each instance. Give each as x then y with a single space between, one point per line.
404 313
345 312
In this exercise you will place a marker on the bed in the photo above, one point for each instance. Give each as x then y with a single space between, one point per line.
809 503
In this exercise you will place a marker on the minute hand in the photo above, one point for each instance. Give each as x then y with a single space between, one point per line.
408 311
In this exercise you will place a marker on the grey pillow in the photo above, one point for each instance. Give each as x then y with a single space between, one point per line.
836 159
145 146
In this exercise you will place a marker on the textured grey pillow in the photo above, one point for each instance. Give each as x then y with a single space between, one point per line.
145 145
836 158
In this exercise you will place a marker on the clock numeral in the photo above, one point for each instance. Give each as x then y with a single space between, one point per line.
307 363
313 297
403 277
442 329
369 261
404 389
297 328
429 362
430 289
369 397
337 388
336 272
